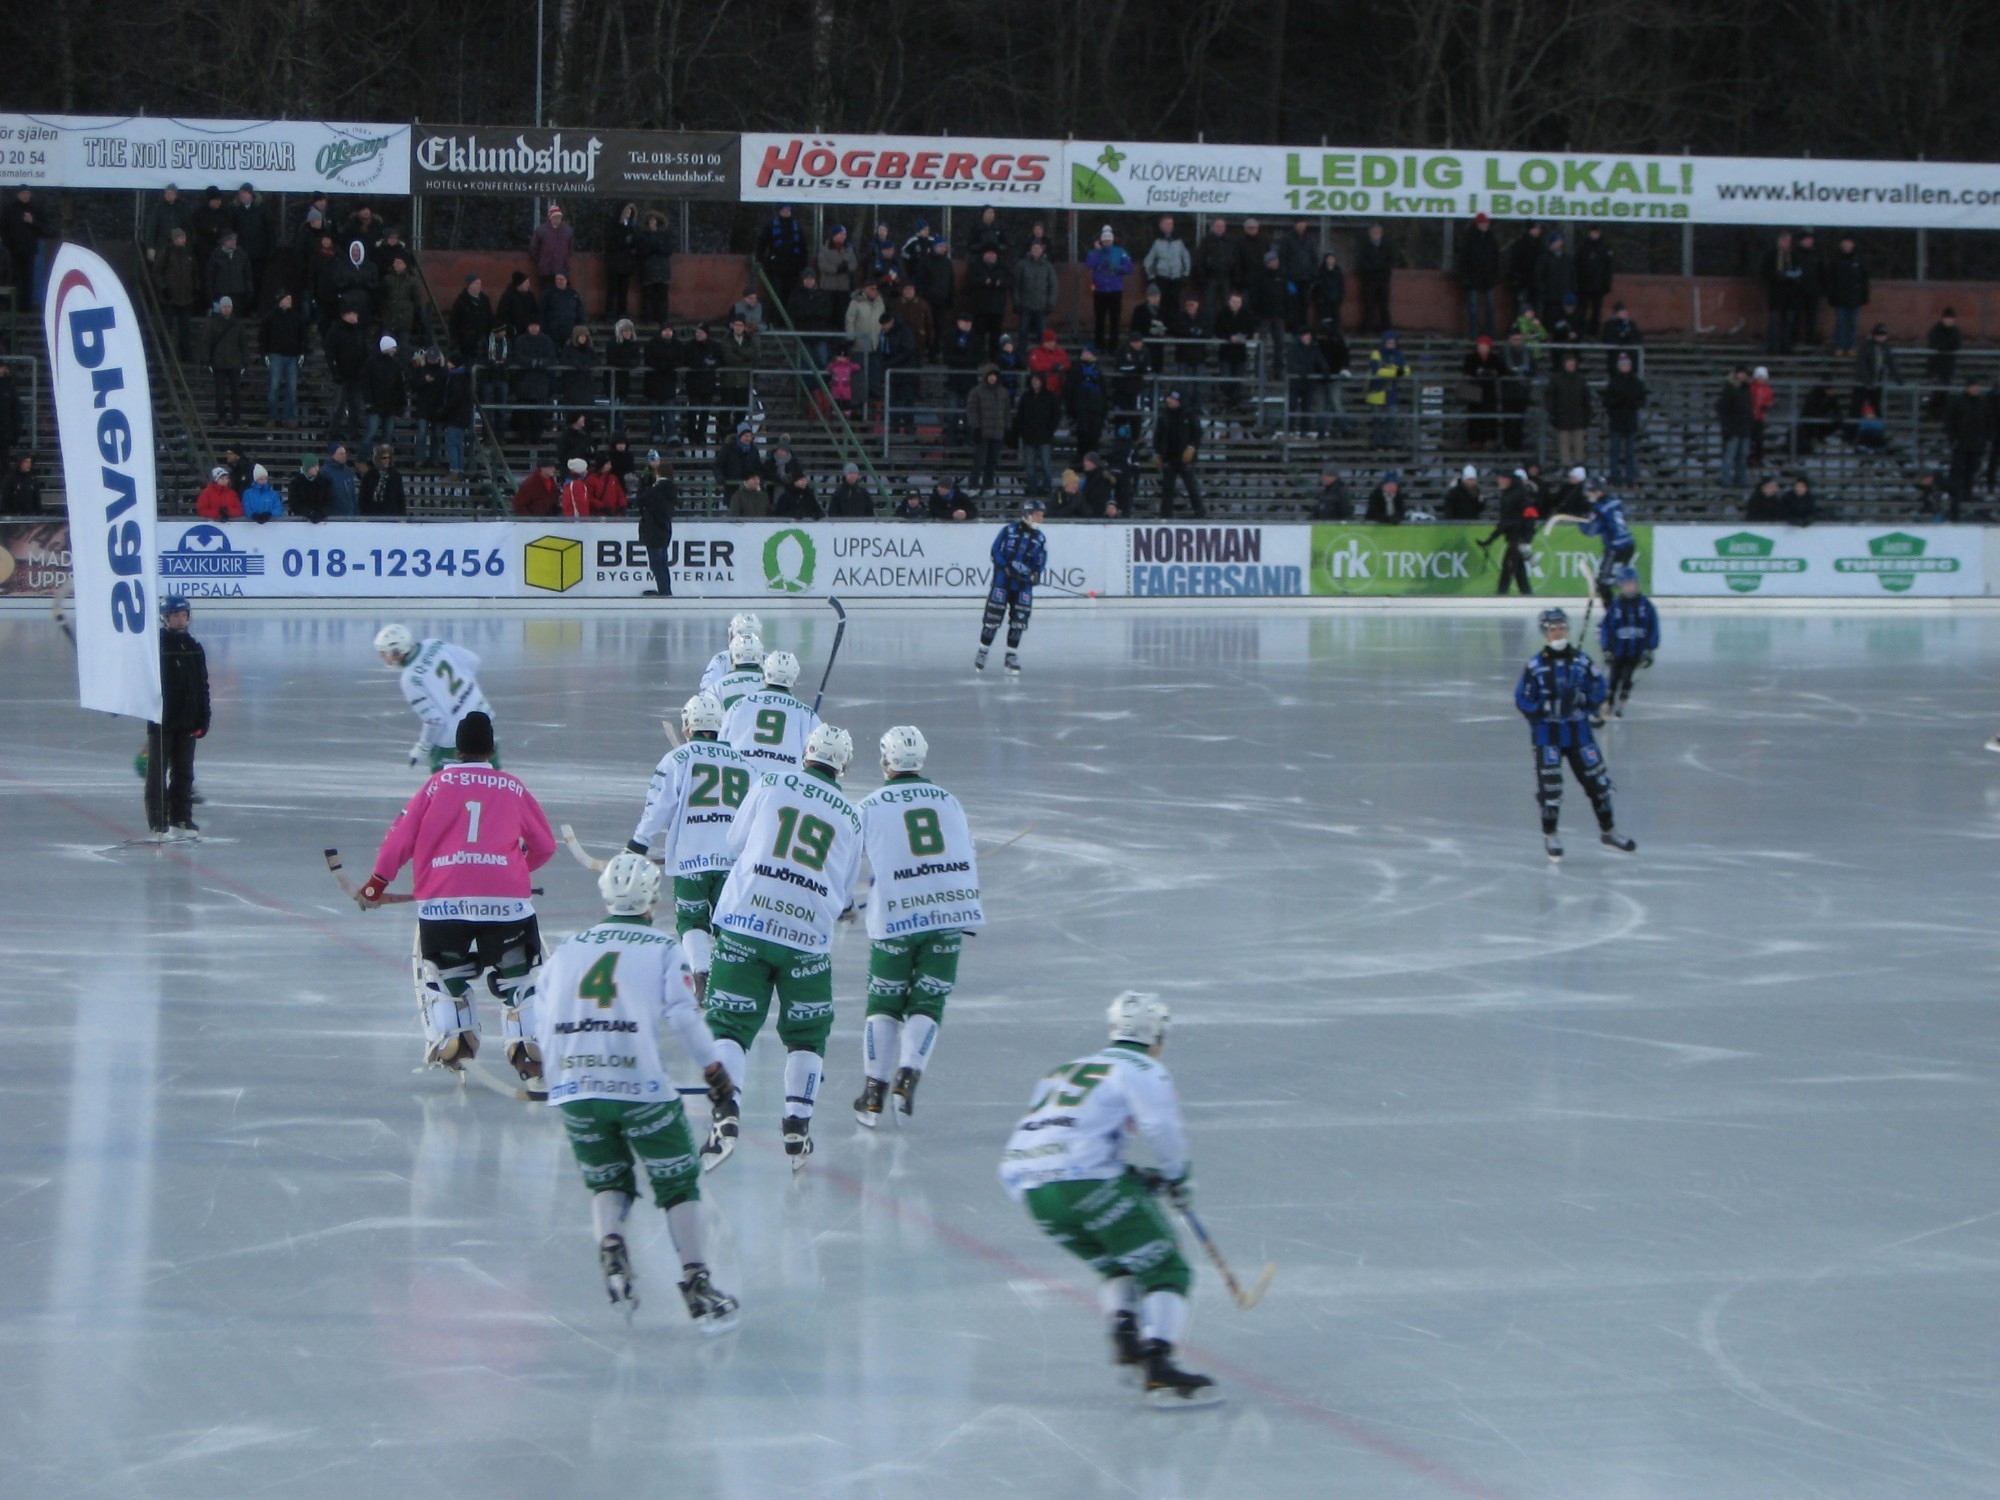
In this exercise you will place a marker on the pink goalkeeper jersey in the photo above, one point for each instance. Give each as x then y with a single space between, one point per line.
473 834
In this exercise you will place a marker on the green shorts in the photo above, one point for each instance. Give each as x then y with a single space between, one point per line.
1117 1226
694 900
914 975
744 974
608 1136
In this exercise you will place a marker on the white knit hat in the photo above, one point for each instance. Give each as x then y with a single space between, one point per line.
578 466
386 344
1470 471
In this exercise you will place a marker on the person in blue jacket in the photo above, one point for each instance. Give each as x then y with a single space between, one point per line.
1630 634
1559 689
1020 552
1605 521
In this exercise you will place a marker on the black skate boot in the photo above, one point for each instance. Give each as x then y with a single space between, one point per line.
1553 845
979 661
798 1144
1128 1350
868 1108
714 1311
721 1135
905 1091
617 1267
1169 1387
1611 838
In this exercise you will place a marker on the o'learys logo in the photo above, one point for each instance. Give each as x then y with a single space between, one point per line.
1896 559
790 561
1744 560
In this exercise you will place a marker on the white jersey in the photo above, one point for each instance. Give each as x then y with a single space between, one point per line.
1075 1128
442 685
730 687
769 729
920 849
690 804
712 673
797 843
600 1003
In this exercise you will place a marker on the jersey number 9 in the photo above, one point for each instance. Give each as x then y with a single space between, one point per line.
803 838
770 726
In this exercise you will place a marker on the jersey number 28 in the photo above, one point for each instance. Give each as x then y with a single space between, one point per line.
717 785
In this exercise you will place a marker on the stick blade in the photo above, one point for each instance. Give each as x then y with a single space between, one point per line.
1249 1299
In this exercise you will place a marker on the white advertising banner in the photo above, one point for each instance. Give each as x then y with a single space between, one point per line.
275 156
1820 562
1215 561
1428 184
104 422
894 169
603 560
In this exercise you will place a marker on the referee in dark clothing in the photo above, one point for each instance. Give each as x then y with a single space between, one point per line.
656 522
183 720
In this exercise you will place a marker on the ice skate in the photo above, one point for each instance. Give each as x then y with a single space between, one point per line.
1597 720
1014 663
722 1133
525 1058
617 1267
1553 845
798 1144
714 1311
1169 1387
979 665
1128 1350
868 1108
904 1089
1611 838
453 1051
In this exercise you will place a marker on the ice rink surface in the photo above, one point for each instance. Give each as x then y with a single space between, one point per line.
1669 1176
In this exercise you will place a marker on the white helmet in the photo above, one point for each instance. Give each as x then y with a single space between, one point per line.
1136 1016
745 624
630 885
746 648
701 713
394 640
781 669
831 747
904 749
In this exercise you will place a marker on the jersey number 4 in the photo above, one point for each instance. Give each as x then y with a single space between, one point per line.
713 786
600 982
803 838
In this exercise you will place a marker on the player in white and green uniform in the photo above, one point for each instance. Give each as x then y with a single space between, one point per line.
769 727
924 899
797 846
441 683
743 674
739 625
1066 1162
690 805
603 998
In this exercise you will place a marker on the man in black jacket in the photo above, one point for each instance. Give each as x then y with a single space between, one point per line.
1520 516
1594 271
346 348
1968 422
1479 274
282 341
852 500
657 499
1176 445
1375 266
470 321
986 282
184 718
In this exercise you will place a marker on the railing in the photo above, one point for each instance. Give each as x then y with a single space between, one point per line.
492 460
810 373
173 375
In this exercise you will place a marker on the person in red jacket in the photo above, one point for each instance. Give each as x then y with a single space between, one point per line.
219 501
576 491
607 491
1048 360
538 495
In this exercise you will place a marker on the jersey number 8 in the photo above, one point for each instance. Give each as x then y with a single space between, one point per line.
803 838
926 837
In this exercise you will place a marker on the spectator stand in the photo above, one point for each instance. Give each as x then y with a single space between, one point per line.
815 395
185 449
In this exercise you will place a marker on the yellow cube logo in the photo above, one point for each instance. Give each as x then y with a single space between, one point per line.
554 563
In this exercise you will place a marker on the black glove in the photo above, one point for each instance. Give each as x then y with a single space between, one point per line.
633 846
1178 1191
720 1089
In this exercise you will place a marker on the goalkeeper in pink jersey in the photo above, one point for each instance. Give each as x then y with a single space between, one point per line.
473 834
